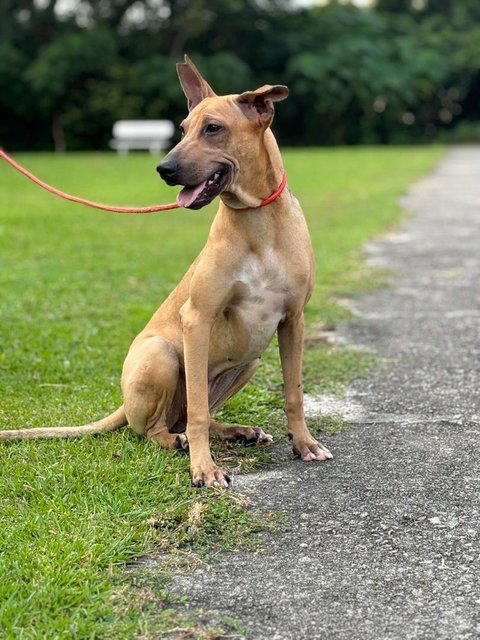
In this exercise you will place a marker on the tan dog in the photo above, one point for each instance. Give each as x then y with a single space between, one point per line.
252 278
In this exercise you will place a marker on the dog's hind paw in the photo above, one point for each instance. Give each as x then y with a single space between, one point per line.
181 443
249 436
260 438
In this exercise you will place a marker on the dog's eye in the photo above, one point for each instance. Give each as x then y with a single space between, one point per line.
182 130
212 128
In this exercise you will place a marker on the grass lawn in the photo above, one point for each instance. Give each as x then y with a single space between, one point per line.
76 286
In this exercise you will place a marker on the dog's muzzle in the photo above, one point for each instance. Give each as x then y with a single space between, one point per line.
195 195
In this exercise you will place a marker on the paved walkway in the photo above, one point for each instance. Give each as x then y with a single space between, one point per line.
384 542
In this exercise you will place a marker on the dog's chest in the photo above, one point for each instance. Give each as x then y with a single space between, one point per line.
261 305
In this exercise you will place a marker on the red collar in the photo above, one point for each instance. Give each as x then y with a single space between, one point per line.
271 198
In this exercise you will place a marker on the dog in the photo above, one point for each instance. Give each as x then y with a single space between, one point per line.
253 278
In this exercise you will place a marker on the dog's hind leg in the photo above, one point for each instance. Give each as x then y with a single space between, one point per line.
149 381
221 390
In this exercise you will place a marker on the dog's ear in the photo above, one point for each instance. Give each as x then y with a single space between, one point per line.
258 104
194 86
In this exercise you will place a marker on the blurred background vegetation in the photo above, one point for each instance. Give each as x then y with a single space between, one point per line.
396 71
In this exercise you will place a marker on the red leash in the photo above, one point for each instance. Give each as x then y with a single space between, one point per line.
89 203
107 207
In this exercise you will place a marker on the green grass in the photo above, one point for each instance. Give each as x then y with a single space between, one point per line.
76 286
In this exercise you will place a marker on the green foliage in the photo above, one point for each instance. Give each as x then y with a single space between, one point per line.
402 71
363 77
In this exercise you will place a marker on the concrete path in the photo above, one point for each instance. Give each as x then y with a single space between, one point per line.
384 542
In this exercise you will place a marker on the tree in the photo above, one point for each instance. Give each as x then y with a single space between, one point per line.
403 71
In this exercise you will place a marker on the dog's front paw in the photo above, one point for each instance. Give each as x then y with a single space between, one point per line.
210 476
310 449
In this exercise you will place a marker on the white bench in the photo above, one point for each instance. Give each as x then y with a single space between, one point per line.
153 135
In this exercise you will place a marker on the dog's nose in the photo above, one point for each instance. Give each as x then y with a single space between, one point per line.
168 169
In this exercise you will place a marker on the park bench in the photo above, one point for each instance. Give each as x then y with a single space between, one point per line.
153 135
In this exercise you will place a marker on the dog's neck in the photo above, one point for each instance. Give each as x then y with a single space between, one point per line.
261 178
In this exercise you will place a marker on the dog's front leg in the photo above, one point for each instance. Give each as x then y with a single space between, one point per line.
290 340
196 341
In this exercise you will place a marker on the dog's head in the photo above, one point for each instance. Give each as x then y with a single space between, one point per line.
223 136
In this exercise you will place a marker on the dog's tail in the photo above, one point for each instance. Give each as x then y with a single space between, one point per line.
114 421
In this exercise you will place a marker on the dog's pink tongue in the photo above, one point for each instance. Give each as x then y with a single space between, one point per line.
188 195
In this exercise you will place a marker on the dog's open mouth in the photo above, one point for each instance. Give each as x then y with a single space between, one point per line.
195 197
